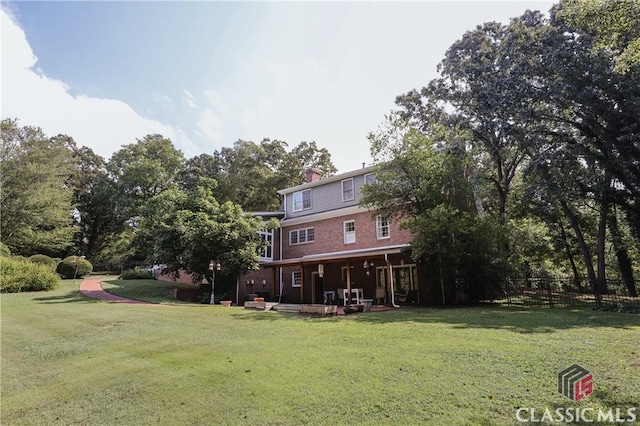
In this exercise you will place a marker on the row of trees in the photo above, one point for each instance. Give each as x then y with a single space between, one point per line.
147 202
524 155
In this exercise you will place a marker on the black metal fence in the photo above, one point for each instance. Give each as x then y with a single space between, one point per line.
569 293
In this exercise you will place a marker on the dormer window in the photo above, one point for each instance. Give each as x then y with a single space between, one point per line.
370 179
347 190
301 200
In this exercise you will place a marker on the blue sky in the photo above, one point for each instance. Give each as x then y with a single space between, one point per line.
206 74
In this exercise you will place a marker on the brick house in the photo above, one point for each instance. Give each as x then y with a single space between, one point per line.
329 247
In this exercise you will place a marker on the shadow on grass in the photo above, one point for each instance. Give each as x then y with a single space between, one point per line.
72 297
153 291
518 320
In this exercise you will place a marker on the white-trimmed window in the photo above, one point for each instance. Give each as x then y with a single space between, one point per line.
370 179
349 230
348 194
382 227
302 236
266 252
302 200
296 279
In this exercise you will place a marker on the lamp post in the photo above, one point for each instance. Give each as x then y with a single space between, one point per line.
75 268
213 267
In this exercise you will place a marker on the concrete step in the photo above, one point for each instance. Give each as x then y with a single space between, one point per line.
287 307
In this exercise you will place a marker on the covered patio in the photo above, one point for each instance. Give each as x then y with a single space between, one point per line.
383 276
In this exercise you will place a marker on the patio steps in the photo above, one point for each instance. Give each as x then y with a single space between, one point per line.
319 310
287 307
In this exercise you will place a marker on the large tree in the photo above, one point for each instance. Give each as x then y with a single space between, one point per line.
143 170
250 174
422 181
184 231
94 197
615 25
35 208
588 115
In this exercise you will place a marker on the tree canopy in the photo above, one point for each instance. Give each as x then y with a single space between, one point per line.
36 208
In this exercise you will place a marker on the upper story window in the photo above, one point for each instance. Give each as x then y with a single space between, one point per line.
382 228
347 190
266 251
301 236
349 230
301 200
370 179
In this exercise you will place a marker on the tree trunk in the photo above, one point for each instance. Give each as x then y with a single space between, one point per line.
624 262
588 261
602 234
572 261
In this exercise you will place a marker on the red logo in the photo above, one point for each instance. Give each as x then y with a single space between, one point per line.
575 382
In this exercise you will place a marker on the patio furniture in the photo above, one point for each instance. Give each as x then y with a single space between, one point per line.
356 294
381 294
402 297
329 297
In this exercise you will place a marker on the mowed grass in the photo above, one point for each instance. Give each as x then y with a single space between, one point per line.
70 360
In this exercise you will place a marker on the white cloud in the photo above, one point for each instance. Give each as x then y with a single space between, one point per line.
299 106
209 125
190 100
216 101
165 101
35 99
306 106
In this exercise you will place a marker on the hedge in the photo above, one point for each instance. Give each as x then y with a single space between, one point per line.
137 274
18 275
74 267
44 260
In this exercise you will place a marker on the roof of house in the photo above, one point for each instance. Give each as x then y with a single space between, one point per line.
329 179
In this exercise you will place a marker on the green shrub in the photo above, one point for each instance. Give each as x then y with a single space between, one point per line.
74 267
4 250
44 260
136 274
18 275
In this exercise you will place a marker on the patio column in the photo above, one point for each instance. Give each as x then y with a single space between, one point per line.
348 282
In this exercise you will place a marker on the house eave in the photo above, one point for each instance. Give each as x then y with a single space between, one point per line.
340 255
330 214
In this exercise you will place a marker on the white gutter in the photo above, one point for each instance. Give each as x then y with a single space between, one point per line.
280 296
393 293
281 244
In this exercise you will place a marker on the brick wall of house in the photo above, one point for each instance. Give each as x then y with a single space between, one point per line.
271 285
329 236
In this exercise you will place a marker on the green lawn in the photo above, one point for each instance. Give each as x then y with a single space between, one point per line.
70 360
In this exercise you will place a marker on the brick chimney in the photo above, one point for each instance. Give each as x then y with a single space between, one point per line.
313 175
